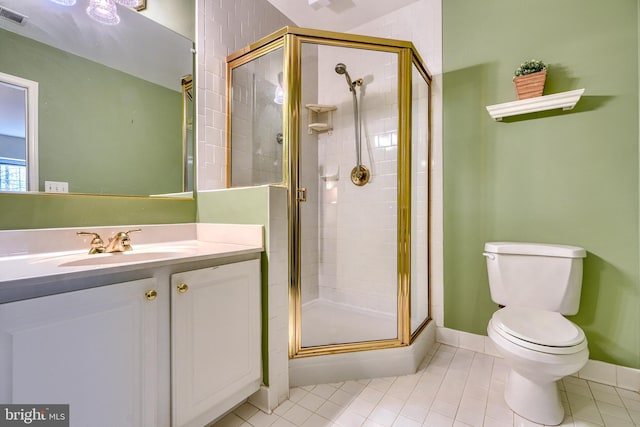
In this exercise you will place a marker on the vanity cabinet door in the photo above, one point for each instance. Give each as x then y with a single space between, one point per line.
215 340
95 349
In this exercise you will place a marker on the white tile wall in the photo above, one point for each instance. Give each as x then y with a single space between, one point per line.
224 26
308 179
359 224
420 22
278 309
256 121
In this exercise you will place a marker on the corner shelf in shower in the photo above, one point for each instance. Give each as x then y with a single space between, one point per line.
564 100
320 117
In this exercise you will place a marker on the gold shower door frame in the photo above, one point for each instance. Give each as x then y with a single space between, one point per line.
291 39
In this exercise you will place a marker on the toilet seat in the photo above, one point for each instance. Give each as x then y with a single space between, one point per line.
539 330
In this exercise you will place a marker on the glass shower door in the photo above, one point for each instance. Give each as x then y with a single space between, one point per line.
256 148
420 195
348 228
343 121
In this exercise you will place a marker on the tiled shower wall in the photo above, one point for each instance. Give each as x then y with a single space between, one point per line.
309 213
224 26
256 122
420 180
358 224
420 22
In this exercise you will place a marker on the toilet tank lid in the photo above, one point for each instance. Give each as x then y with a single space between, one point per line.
542 249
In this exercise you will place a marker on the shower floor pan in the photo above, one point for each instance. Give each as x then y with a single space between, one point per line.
325 322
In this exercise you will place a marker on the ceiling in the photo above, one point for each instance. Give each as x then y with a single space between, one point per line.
338 15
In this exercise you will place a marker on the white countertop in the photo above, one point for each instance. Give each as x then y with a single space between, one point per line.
38 268
69 264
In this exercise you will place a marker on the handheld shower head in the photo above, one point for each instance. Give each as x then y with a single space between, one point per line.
342 69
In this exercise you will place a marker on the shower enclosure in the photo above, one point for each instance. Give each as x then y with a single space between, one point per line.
355 158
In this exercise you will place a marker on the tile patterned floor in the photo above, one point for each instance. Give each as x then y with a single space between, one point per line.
452 388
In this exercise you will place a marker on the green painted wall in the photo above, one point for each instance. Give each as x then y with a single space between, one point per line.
180 16
247 205
28 211
563 177
100 130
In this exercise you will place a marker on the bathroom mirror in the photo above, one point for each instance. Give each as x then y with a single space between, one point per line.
112 116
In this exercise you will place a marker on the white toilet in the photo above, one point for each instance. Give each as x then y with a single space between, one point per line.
537 284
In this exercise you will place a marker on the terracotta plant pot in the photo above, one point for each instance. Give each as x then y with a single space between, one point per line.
530 85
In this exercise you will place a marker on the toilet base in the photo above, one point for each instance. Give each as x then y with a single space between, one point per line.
537 402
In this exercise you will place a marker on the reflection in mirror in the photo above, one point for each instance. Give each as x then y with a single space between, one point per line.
111 111
187 132
18 133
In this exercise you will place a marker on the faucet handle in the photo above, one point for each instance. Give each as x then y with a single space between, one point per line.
97 244
125 239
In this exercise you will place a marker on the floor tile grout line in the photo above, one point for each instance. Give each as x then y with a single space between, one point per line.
436 355
626 404
445 373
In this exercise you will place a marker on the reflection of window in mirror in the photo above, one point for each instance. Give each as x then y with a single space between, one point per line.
18 134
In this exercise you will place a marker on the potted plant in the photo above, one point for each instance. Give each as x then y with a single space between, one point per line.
529 79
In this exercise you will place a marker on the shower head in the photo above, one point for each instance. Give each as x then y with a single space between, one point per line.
342 69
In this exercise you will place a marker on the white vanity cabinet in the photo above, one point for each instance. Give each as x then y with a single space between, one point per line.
215 340
96 349
166 335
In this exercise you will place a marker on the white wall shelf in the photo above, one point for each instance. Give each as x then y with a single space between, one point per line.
320 117
564 100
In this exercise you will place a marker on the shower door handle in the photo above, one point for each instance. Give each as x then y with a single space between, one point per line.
302 194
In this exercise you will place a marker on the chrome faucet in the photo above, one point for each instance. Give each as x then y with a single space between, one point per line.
121 242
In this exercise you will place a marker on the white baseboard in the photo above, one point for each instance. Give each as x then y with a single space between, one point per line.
594 370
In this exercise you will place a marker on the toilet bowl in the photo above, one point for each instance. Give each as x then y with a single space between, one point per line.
540 347
537 284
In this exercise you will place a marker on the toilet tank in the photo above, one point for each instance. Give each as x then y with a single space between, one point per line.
537 275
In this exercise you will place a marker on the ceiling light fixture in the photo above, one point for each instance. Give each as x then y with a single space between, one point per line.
103 11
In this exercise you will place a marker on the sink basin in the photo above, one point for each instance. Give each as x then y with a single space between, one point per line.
139 254
119 257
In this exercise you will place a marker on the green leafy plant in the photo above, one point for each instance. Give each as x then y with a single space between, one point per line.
530 67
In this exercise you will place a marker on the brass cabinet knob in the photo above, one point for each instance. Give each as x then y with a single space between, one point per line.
182 288
151 294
